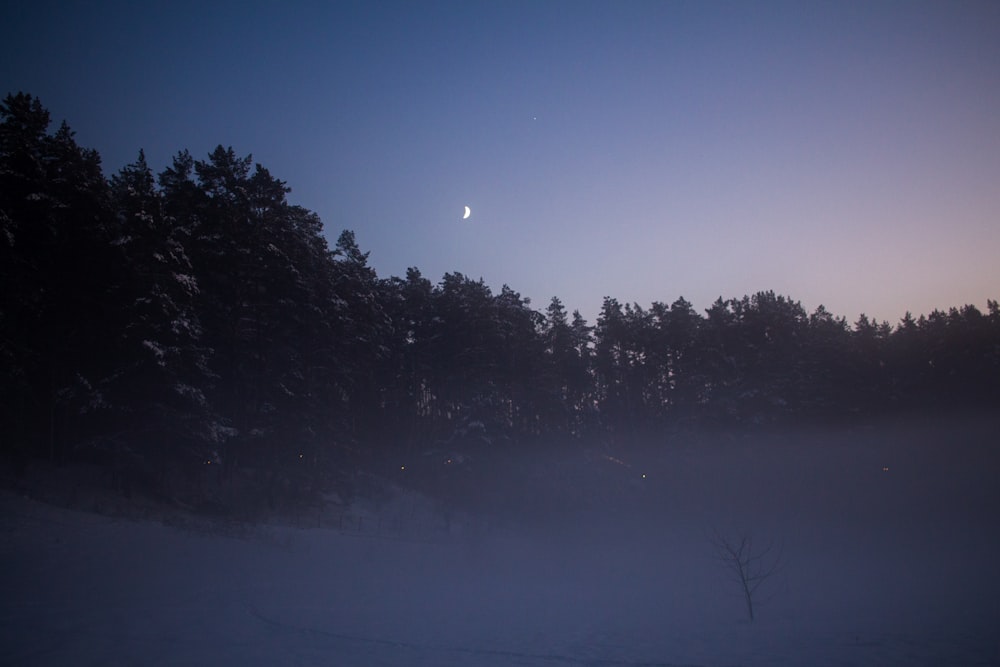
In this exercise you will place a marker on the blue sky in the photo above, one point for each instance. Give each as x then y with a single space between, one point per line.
841 153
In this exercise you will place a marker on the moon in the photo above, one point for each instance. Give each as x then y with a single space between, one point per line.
468 212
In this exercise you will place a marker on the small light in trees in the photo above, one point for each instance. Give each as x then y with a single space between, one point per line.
402 467
885 468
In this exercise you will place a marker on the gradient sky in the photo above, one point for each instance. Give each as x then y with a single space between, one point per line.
845 154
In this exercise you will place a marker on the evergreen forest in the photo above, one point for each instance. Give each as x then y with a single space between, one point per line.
194 334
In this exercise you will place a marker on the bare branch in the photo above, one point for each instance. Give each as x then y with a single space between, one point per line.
749 568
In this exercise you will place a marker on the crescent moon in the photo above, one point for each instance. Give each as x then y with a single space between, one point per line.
468 212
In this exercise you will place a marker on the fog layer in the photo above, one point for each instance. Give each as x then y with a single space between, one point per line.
885 540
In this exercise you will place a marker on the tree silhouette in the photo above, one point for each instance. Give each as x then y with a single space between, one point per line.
749 566
200 317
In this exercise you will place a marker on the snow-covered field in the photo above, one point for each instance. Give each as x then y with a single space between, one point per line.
881 567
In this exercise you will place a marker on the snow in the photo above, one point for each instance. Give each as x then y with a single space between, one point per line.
188 391
189 282
157 351
876 575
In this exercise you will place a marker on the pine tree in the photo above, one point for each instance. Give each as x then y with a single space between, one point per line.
161 381
58 273
565 378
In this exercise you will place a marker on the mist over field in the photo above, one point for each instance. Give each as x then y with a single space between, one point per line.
886 537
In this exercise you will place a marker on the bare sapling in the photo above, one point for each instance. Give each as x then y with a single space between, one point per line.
749 565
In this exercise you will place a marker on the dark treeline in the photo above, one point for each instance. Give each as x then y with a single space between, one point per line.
193 328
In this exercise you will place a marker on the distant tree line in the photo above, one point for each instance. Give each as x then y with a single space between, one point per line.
193 325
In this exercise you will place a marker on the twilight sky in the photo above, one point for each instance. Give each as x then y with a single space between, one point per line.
841 153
